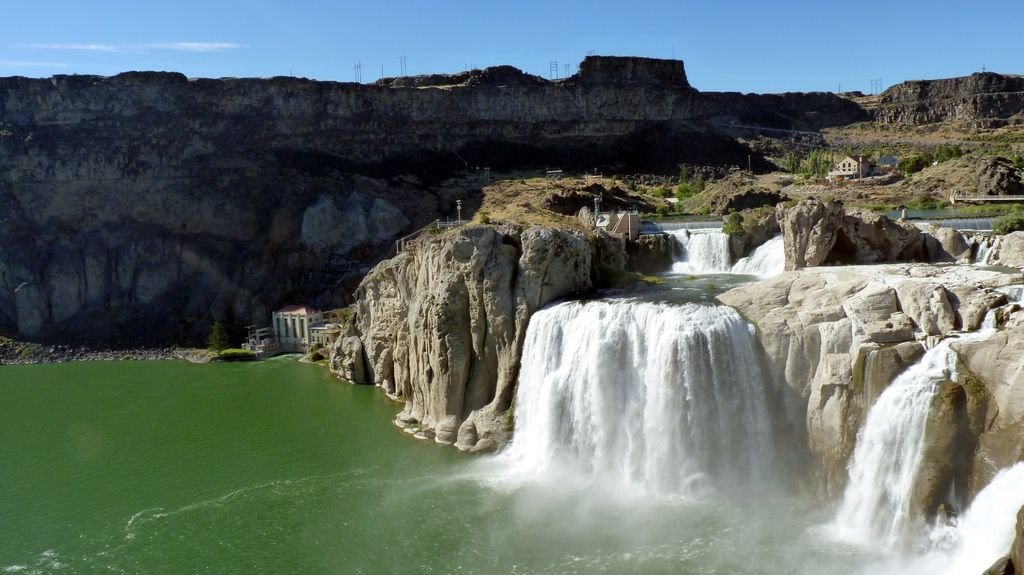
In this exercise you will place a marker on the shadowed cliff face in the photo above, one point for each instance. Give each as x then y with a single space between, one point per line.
983 100
139 207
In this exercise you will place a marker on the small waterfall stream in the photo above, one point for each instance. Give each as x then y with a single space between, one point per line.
666 398
876 503
707 252
876 506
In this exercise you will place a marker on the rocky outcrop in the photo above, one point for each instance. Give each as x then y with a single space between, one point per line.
818 233
837 336
442 324
1007 250
984 100
998 177
756 227
995 367
809 230
651 253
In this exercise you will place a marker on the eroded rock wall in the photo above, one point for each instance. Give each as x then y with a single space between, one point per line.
837 336
442 324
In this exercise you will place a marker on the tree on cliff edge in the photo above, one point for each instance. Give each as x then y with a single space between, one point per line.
218 341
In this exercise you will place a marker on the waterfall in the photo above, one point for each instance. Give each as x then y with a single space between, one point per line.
973 542
985 532
666 398
876 504
707 252
768 260
703 252
985 244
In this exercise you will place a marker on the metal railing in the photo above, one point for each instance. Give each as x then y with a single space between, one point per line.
403 242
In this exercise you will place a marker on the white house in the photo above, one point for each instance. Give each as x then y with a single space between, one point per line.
852 167
292 325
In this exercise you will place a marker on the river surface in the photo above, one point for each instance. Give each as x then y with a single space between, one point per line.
276 467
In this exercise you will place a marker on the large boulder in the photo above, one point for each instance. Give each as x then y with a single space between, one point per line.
442 324
944 244
810 229
1008 250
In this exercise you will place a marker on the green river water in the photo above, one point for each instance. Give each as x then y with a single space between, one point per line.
277 467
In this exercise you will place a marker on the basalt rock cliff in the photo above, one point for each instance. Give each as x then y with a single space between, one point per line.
983 100
142 206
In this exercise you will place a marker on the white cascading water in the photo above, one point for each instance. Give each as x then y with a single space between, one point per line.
664 398
876 507
707 252
768 260
973 542
876 503
704 252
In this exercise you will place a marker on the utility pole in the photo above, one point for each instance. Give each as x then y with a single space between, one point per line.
358 70
458 209
553 69
401 64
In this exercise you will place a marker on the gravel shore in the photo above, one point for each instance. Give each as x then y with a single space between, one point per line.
23 353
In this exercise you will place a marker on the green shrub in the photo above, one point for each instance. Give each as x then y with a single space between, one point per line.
1008 224
733 224
483 216
913 164
925 202
684 190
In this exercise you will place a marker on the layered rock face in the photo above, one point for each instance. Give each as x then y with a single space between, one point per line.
838 336
144 205
823 233
984 100
442 324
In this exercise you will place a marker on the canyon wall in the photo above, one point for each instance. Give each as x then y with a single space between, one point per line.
982 100
140 207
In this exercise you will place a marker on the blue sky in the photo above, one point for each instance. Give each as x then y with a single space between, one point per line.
742 46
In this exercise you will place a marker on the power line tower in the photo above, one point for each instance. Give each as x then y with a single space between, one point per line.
876 86
566 71
402 65
357 69
553 69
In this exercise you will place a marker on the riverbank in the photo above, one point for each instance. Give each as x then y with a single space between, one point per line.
13 352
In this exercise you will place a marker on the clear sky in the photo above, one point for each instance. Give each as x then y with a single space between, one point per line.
768 46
